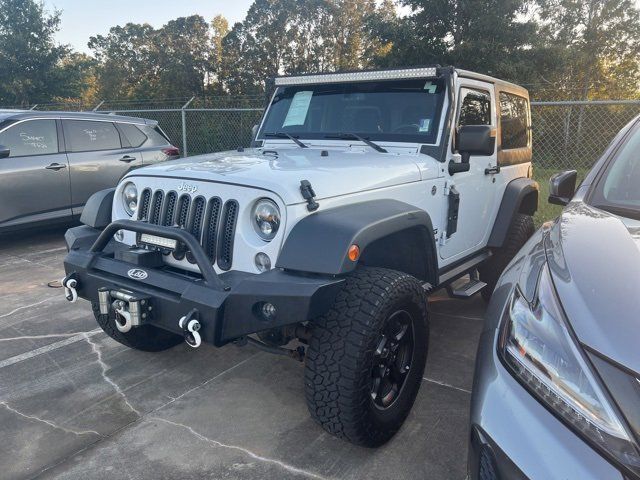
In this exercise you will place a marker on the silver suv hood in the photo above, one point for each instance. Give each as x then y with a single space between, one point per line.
341 172
595 262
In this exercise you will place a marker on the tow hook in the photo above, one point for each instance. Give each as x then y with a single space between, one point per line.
130 310
70 283
190 327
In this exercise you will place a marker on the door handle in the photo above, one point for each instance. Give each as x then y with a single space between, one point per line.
492 170
55 166
127 159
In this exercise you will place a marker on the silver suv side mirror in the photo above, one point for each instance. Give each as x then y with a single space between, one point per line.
4 151
562 186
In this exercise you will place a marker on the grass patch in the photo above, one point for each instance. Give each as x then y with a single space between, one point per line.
546 211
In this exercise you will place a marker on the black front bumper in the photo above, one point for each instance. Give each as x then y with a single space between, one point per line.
228 305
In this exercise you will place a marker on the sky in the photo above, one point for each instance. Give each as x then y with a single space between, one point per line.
82 19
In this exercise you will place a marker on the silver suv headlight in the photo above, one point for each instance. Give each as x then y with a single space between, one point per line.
540 350
130 198
266 219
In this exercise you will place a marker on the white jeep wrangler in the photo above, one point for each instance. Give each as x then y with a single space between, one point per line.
362 193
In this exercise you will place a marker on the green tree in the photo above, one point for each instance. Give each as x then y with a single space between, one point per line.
29 57
76 77
598 42
288 36
125 66
495 37
182 55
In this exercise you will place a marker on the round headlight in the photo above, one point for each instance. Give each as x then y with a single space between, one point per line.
130 198
266 219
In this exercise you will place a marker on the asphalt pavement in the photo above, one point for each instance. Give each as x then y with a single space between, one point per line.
75 404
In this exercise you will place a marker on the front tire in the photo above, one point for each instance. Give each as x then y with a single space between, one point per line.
367 355
146 337
519 233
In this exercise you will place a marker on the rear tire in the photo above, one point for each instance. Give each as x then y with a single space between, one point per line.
146 337
519 232
377 311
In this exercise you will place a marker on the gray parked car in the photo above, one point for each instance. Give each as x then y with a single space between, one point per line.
557 384
52 162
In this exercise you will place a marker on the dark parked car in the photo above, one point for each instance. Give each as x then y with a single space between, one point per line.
557 383
52 162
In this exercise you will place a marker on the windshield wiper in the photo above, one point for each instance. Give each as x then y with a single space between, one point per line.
286 135
354 136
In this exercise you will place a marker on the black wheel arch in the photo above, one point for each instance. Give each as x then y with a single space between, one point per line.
390 234
97 211
520 197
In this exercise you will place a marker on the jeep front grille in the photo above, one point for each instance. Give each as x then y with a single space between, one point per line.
212 222
228 230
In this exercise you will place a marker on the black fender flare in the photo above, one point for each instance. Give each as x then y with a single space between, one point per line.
389 233
97 211
520 196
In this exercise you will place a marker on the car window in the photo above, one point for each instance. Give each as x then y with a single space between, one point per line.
618 187
155 135
33 137
514 121
392 110
85 136
133 133
475 108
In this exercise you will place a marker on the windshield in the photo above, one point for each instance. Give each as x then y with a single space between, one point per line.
618 191
389 110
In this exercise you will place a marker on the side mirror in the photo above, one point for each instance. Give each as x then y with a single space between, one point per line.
4 151
473 140
254 131
562 186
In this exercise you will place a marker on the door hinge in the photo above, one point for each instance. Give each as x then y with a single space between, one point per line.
442 240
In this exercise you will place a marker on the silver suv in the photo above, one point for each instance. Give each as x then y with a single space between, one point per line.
52 162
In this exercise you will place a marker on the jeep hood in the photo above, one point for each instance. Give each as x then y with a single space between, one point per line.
341 172
594 258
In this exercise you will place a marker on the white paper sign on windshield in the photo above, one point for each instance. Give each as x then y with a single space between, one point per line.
298 109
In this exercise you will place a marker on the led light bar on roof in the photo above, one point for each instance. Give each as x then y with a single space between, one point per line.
356 76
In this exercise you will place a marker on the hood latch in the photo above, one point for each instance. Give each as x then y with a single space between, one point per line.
308 194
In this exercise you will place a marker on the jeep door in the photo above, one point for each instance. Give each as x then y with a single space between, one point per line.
476 105
34 179
97 158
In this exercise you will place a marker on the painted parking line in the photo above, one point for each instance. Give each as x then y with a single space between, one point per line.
447 385
452 315
48 348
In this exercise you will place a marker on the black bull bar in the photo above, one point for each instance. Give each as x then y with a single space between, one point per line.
228 306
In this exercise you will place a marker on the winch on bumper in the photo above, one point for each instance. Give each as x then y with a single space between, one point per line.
140 289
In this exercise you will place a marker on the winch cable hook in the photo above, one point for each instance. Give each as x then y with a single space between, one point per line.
123 316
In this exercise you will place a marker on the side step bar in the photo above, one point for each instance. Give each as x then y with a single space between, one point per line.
467 289
463 268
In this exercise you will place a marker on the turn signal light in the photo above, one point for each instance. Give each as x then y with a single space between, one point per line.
354 253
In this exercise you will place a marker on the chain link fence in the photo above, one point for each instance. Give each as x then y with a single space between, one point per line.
567 135
574 134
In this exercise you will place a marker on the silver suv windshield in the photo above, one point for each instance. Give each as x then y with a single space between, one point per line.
388 110
618 189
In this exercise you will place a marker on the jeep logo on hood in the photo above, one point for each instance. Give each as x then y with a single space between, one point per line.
186 187
137 274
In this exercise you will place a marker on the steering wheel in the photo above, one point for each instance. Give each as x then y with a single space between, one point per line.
407 128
